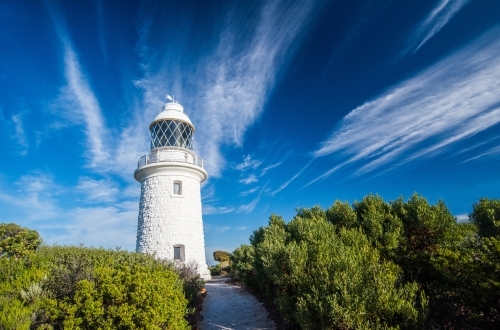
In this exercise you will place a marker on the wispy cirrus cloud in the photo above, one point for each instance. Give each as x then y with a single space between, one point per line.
248 163
40 203
249 179
248 192
216 229
489 153
14 129
106 151
433 23
423 116
79 105
285 184
267 168
229 85
98 191
238 79
109 226
211 209
247 208
20 135
32 197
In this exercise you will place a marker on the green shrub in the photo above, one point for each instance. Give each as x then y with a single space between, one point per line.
222 256
242 261
106 289
125 296
21 291
191 281
486 215
323 277
82 288
377 264
16 241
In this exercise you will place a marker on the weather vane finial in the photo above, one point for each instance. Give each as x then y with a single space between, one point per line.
168 97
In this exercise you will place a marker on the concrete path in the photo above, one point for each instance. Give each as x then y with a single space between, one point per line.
230 307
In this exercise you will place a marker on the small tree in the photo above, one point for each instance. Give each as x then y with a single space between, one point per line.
16 241
486 215
222 256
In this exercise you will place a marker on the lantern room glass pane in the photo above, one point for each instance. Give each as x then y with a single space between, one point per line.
171 133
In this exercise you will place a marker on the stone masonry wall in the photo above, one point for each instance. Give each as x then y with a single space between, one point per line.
166 219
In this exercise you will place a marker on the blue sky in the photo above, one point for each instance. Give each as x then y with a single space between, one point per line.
295 103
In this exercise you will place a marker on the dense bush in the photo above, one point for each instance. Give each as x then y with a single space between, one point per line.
223 267
97 288
21 292
83 288
221 256
373 264
16 241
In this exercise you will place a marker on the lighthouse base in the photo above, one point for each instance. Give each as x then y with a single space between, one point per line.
204 272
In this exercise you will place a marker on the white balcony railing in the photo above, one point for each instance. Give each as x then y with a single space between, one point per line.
170 155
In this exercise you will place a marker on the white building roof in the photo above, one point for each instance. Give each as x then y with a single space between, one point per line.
172 111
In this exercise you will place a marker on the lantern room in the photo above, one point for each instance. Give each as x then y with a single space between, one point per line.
172 128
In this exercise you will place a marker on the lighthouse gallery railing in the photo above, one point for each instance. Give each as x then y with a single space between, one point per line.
170 155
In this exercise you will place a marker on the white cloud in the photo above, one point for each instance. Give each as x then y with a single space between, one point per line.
101 191
248 192
434 22
222 229
462 217
267 168
250 179
241 228
81 106
228 88
14 129
248 163
423 116
20 135
96 226
284 185
210 209
491 152
33 196
77 103
37 202
247 208
215 229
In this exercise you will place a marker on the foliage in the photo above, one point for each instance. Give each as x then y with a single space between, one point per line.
377 264
242 261
223 267
21 293
222 256
191 281
16 241
486 215
106 289
83 288
321 276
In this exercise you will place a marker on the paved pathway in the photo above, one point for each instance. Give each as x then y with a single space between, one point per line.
229 307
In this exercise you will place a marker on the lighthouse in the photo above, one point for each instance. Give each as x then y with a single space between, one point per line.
170 223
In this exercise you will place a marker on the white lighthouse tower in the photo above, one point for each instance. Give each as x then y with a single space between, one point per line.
170 218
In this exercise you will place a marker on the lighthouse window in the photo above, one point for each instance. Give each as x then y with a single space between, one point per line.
177 188
177 252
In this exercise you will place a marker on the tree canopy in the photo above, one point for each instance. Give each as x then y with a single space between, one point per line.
377 264
16 241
